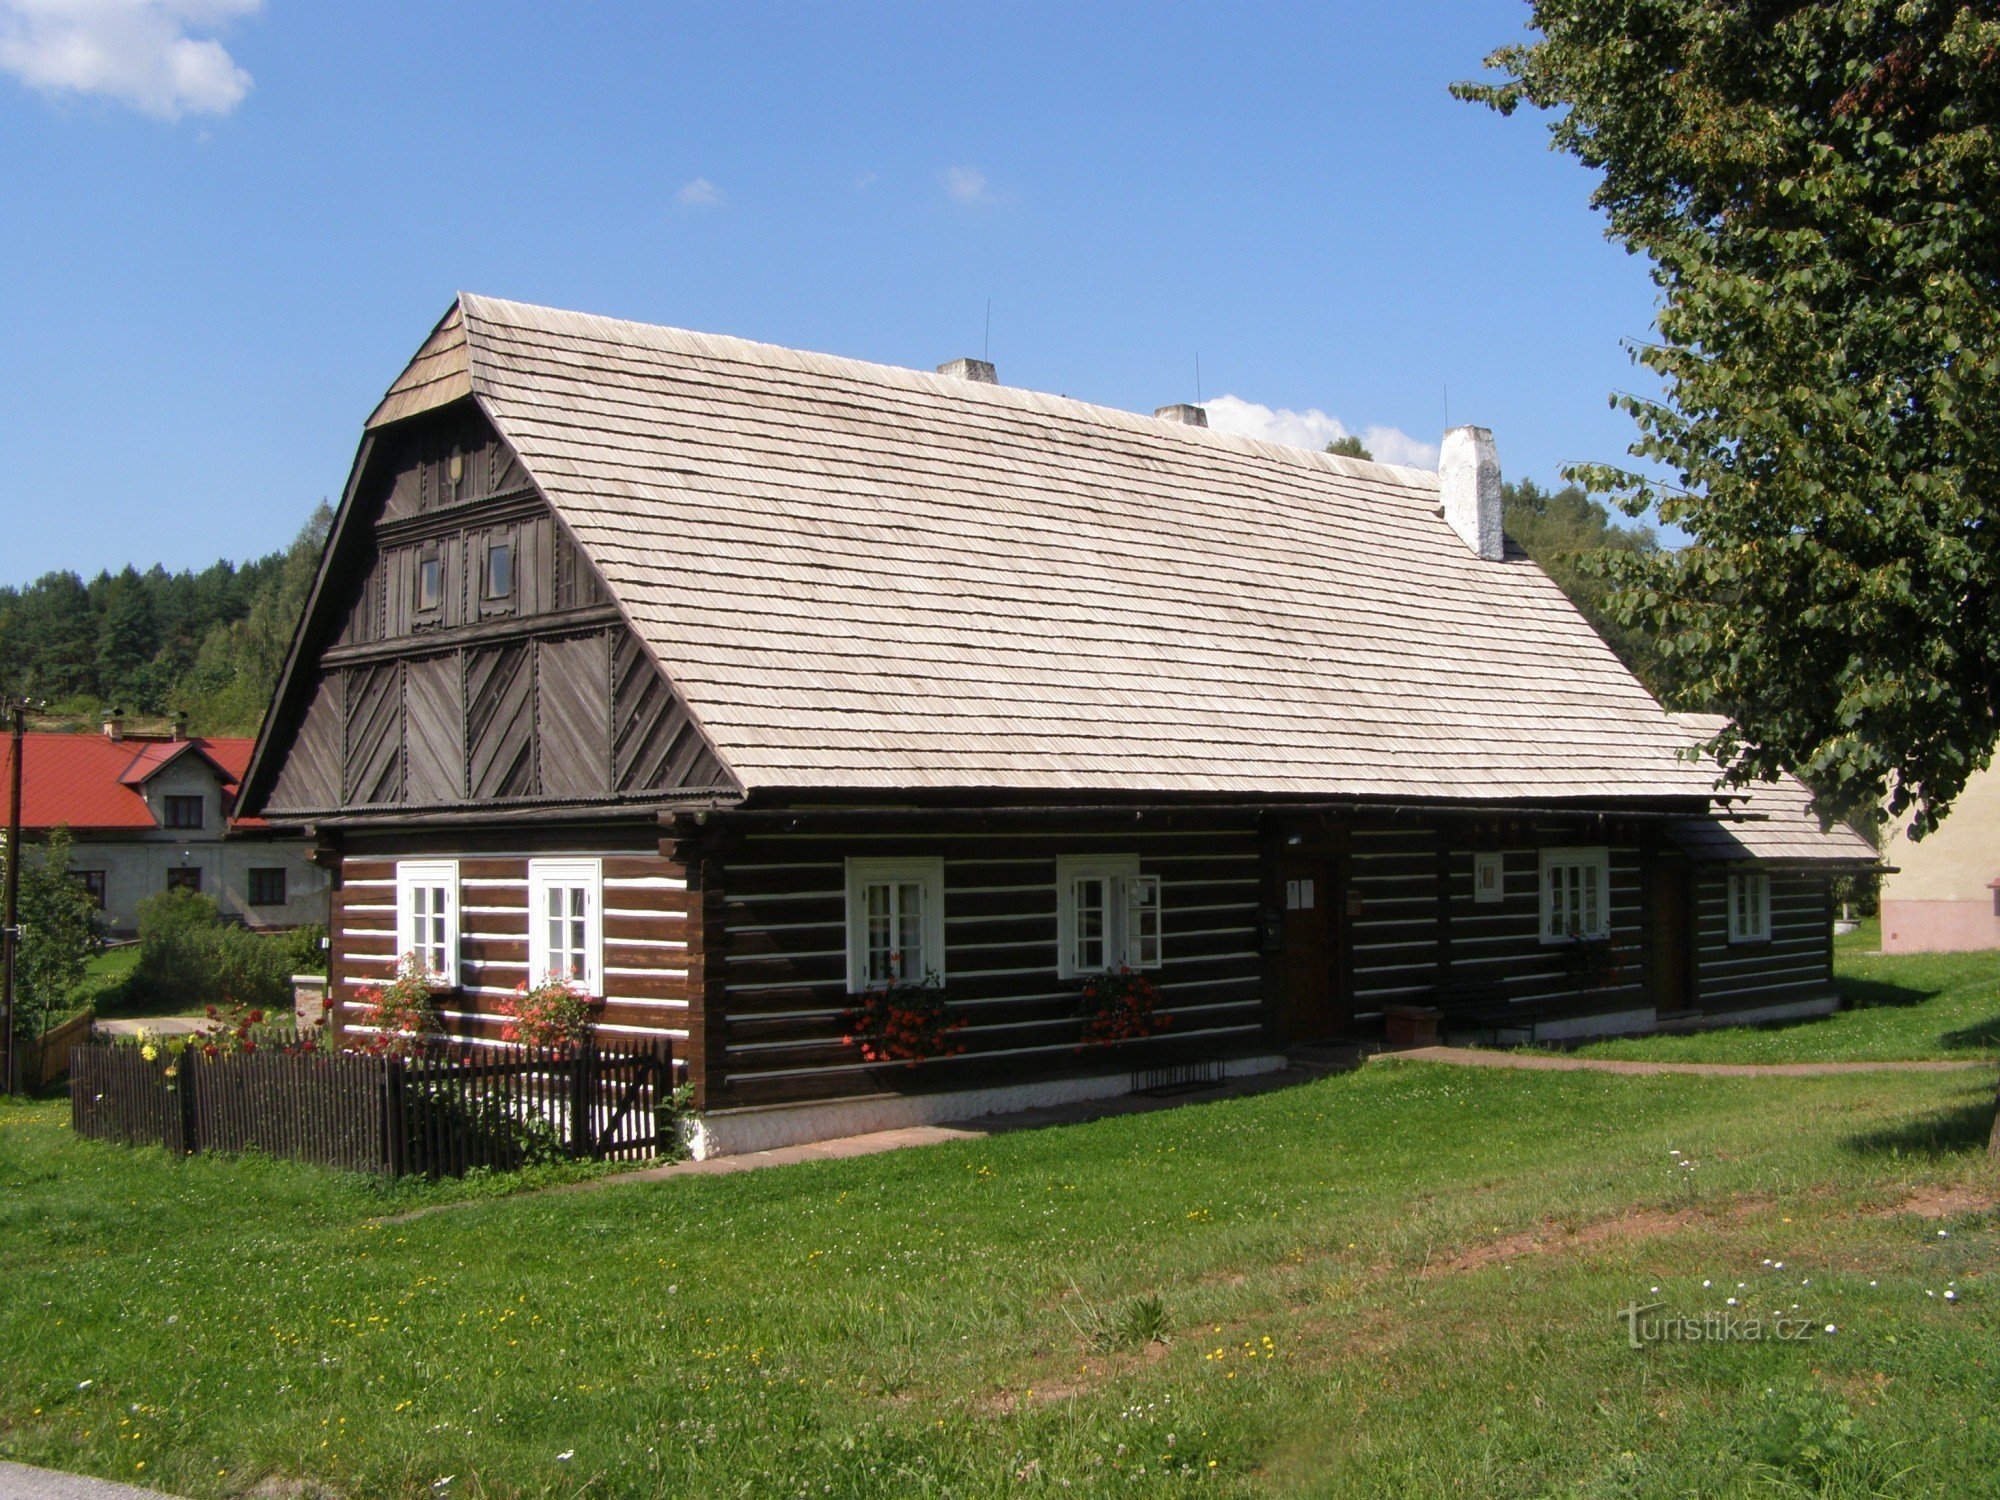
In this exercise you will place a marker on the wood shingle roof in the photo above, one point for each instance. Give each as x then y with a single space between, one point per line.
1769 821
864 577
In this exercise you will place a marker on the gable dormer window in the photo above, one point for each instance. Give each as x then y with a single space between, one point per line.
182 812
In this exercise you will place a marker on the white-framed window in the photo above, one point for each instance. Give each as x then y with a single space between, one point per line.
427 914
895 921
1749 906
1107 915
1576 894
566 922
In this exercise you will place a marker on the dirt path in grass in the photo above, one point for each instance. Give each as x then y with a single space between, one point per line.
1474 1057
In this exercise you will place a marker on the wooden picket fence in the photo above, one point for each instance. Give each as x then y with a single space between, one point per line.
440 1114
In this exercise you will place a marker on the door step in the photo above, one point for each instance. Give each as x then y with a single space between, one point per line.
1330 1057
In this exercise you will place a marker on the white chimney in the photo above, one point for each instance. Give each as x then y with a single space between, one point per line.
1183 412
978 370
1469 486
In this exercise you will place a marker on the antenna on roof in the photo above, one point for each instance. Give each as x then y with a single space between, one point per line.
1197 378
986 343
1447 406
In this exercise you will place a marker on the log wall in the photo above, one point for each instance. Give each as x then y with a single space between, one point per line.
1797 961
779 990
645 936
1415 928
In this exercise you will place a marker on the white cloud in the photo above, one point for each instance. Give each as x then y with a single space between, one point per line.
1314 429
967 185
138 52
701 193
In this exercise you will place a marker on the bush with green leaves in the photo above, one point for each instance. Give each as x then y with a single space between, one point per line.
190 957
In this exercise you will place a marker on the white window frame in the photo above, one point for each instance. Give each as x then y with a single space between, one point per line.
544 876
1593 865
1749 920
428 874
1128 895
863 873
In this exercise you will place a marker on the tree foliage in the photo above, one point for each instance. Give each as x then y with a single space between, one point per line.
58 935
1816 186
210 644
1349 447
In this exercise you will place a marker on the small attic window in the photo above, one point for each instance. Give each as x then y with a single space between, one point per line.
499 570
430 584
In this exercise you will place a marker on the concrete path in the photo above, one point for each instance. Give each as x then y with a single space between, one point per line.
1477 1057
156 1025
19 1482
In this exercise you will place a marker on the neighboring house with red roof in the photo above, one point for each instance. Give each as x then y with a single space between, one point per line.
149 813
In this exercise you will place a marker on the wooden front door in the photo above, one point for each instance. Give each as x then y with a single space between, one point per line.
1672 904
1314 999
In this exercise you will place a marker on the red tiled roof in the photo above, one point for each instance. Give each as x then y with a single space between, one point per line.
88 781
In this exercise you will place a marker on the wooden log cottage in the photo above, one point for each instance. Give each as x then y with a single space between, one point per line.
733 680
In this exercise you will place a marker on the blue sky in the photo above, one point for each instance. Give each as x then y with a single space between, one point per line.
224 228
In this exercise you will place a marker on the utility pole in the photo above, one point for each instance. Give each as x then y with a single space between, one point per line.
10 897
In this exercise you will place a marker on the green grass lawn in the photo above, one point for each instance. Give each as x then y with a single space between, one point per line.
104 979
1402 1281
1901 1006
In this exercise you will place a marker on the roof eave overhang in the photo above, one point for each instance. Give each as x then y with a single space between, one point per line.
877 799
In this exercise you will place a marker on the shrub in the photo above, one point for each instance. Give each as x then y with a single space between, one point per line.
401 1016
190 957
1120 1007
904 1021
552 1014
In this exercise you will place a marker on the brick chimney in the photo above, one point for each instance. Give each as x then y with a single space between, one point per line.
114 724
180 724
1183 412
1469 488
978 370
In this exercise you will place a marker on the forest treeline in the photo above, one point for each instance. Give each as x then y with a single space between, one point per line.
207 644
210 644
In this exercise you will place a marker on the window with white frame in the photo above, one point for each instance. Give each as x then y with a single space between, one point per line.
427 914
1576 894
1749 907
895 921
566 922
1107 915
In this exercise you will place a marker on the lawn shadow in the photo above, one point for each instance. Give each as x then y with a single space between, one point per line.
1956 1130
1874 994
1983 1035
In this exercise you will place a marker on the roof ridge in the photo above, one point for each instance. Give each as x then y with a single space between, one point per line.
475 305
